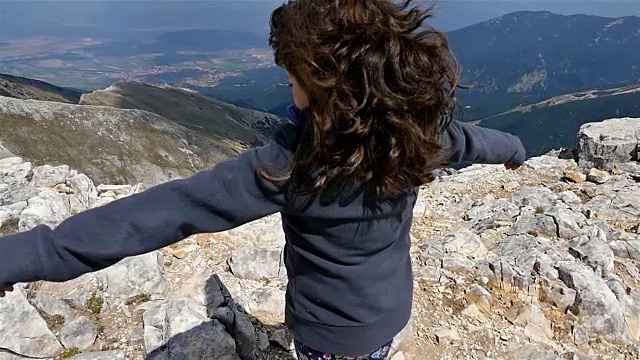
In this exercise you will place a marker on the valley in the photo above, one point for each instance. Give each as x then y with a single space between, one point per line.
521 70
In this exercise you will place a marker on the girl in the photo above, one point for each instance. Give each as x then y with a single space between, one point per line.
374 92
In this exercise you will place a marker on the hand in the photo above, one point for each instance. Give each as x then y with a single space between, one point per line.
3 291
511 166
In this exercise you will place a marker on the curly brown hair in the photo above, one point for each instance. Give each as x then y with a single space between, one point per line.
381 86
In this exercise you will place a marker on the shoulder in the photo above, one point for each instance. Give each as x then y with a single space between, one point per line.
287 137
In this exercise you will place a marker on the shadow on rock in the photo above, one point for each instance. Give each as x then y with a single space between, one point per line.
211 326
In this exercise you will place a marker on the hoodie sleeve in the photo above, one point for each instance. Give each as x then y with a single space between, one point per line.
475 144
226 196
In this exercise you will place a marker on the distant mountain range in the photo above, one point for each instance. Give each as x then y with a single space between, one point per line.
518 59
127 133
537 75
545 54
522 57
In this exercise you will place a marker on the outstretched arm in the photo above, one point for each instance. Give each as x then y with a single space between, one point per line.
227 196
475 144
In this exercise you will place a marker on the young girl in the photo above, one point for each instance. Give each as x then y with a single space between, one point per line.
374 93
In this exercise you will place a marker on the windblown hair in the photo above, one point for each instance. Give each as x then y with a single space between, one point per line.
381 86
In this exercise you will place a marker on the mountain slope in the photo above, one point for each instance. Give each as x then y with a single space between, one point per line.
24 88
522 57
554 122
110 145
541 52
219 120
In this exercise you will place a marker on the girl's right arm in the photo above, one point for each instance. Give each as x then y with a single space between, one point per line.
226 196
475 144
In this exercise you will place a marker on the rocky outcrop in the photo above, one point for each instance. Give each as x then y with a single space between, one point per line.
198 320
110 145
604 144
525 264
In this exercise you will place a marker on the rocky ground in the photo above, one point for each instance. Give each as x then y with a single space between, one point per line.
538 263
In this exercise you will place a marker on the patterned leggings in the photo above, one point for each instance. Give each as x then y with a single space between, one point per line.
306 353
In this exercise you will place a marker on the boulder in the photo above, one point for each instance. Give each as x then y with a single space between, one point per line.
15 181
599 311
603 144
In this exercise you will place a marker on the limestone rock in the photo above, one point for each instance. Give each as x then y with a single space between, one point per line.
200 320
536 326
454 250
203 287
51 306
447 335
10 217
181 330
597 308
428 275
621 203
595 253
545 162
457 263
629 249
268 299
268 235
630 307
49 176
500 274
562 297
256 263
235 321
48 207
15 177
84 194
134 276
263 341
118 190
598 176
80 333
574 176
23 331
609 142
533 352
100 355
283 338
628 167
479 296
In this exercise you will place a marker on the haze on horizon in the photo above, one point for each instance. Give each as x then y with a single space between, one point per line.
115 18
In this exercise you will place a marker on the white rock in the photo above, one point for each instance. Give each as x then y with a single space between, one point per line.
23 331
80 333
606 143
47 208
134 276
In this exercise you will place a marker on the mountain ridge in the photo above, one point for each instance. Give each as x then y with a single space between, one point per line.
551 123
26 88
527 52
111 145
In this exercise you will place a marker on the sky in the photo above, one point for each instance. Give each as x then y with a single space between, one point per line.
96 18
